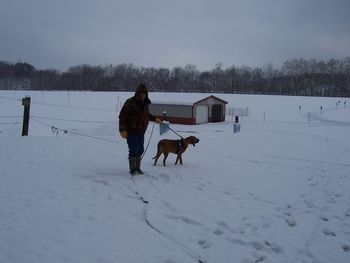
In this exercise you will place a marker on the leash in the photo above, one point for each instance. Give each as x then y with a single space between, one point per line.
149 140
172 130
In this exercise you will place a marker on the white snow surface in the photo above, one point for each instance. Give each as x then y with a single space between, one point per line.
277 191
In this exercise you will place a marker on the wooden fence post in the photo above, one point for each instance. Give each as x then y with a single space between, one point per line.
26 104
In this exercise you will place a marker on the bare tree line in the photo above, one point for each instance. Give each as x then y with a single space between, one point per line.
295 77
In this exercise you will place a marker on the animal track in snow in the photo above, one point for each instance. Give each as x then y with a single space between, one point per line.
290 221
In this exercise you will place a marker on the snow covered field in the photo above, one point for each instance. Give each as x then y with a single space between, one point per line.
278 191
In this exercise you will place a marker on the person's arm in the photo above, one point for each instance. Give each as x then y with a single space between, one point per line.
123 119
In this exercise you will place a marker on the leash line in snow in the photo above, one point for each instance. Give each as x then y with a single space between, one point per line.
135 191
170 238
141 198
184 248
55 130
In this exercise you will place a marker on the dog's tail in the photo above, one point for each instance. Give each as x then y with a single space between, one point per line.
158 151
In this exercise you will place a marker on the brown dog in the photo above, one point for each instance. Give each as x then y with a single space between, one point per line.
174 146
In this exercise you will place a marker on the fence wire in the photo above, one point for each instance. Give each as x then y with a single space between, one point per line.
55 131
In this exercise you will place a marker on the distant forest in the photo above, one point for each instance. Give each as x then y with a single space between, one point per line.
298 77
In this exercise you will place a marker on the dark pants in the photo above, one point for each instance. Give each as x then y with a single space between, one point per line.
135 143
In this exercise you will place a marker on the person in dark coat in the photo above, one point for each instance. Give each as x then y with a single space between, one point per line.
133 121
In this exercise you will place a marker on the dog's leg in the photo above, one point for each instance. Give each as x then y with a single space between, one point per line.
165 156
180 157
177 159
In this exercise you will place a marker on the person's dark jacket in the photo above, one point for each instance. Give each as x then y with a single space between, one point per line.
134 115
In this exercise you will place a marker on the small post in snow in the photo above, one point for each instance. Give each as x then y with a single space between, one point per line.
26 114
236 125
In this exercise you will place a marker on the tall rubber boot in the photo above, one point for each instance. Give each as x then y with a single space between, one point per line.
132 165
138 165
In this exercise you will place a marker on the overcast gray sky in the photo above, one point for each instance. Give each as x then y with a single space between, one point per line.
168 33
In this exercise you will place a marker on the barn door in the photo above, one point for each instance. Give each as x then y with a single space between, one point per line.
216 113
202 114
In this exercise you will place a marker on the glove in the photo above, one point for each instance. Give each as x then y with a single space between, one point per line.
158 121
124 134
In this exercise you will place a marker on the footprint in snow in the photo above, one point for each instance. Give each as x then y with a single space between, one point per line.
267 245
291 222
324 218
274 247
204 244
218 232
257 258
346 248
347 213
314 184
101 181
184 219
287 214
337 195
328 232
257 245
225 226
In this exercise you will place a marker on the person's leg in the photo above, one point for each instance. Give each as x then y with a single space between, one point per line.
133 146
139 153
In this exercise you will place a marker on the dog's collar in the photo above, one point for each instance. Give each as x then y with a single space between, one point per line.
180 145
